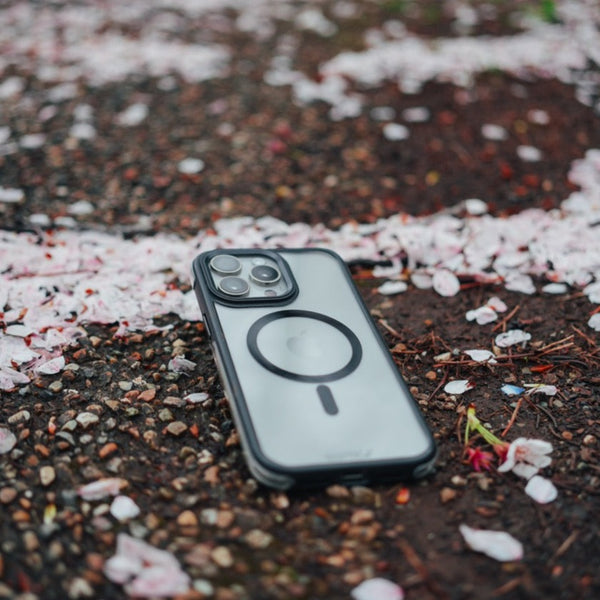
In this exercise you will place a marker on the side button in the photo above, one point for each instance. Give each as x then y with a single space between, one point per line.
206 327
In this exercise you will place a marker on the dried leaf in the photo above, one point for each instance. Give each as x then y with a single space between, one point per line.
498 545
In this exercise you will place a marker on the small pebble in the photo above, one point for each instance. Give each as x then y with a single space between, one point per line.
21 416
47 475
258 539
222 557
87 419
176 428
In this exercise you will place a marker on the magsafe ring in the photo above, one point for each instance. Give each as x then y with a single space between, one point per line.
304 346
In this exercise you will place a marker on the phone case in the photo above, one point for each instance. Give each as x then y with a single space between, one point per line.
314 391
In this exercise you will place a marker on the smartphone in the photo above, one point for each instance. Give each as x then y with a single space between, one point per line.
314 391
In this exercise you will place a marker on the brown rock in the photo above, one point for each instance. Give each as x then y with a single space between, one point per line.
147 395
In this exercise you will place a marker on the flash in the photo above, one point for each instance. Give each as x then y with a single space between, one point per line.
270 293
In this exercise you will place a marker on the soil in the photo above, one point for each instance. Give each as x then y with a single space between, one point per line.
295 163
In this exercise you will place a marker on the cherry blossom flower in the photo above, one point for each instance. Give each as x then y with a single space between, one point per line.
525 457
498 545
377 589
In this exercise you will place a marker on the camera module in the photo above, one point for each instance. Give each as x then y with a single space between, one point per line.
234 286
265 274
225 264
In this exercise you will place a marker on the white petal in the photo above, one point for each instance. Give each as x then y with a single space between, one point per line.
446 283
555 288
497 304
459 386
482 315
422 281
524 470
395 132
475 206
377 589
179 364
389 288
594 322
511 338
52 366
498 545
481 355
101 488
542 490
540 388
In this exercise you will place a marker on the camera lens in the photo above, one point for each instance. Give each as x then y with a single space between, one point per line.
234 286
225 264
265 274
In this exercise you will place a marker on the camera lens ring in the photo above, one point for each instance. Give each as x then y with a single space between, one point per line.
265 274
225 264
234 286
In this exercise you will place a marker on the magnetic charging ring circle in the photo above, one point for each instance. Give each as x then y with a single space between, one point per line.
304 346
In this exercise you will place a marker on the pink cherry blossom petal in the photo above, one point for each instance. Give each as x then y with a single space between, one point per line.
498 545
159 582
445 283
542 490
96 490
541 388
377 589
390 288
458 386
145 570
482 315
180 364
497 304
594 322
511 338
52 366
481 355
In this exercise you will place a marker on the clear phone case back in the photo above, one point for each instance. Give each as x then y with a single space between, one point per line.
314 390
